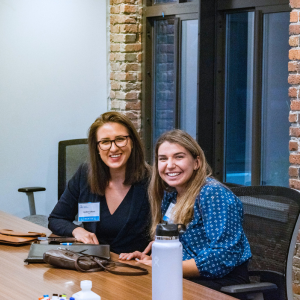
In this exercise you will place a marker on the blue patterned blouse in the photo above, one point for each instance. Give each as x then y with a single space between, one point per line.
215 236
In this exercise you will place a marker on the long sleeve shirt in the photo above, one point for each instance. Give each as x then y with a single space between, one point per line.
214 238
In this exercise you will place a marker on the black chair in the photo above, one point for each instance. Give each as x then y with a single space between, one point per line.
271 223
71 154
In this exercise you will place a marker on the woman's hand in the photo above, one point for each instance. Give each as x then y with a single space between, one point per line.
84 236
137 254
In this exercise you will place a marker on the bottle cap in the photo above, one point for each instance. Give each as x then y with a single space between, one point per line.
86 284
71 298
169 229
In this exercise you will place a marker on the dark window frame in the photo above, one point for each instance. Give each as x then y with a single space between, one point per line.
260 7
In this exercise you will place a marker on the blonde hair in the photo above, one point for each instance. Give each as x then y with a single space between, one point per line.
184 209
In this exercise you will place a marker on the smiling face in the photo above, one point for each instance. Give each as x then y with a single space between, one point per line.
176 165
116 157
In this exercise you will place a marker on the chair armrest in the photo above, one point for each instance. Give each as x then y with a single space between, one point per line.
249 287
31 189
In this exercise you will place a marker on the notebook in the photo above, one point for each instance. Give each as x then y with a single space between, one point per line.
36 251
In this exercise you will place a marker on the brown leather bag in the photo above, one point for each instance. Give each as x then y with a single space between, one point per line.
66 259
11 237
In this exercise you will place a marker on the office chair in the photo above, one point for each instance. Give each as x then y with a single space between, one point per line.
271 224
71 154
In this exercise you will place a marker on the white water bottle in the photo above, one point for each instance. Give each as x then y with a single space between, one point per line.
86 293
167 263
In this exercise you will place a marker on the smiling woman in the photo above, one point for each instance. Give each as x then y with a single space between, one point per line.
112 187
215 248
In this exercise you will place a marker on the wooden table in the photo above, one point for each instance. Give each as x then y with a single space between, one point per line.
21 281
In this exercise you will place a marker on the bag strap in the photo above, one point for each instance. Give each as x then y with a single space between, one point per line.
111 264
142 271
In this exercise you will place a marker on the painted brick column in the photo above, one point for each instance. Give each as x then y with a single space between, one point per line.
294 143
126 58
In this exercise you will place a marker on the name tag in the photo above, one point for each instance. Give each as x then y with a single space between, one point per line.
168 215
89 212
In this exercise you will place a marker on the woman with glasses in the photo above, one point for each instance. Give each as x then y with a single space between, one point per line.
109 194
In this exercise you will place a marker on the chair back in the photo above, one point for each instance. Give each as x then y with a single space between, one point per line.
71 154
271 223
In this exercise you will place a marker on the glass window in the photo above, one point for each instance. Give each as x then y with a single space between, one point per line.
189 63
163 1
238 97
275 101
164 81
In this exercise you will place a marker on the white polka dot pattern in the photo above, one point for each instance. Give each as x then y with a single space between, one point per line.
215 236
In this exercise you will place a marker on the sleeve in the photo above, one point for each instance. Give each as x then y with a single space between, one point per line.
62 217
222 215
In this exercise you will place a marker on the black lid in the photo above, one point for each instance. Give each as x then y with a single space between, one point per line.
169 229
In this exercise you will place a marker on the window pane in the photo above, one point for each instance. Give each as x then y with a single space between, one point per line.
238 97
163 1
275 101
189 56
164 80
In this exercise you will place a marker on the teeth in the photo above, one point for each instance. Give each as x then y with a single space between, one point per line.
173 174
117 155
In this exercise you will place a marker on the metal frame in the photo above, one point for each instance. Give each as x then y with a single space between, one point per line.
260 7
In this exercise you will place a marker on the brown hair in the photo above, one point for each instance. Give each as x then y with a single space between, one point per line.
136 168
184 209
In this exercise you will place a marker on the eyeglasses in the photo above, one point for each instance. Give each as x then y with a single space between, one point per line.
120 141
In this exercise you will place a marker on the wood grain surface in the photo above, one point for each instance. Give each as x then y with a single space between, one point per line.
21 281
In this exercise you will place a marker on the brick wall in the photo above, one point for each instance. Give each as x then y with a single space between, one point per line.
126 58
294 81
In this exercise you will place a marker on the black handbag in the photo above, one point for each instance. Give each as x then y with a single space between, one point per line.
67 259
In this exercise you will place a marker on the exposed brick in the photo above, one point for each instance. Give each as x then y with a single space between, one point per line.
119 19
296 288
294 171
294 79
292 92
125 76
127 96
112 76
294 29
115 9
130 67
114 47
294 41
115 66
112 94
127 8
129 86
294 66
294 159
118 104
114 85
133 105
295 131
295 3
293 118
122 38
122 1
139 76
115 28
133 114
140 57
295 105
131 48
128 28
295 184
130 57
293 145
294 16
112 56
294 54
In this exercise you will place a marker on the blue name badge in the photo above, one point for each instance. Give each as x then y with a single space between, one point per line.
89 212
168 215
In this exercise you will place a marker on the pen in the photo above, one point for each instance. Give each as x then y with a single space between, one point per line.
66 244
